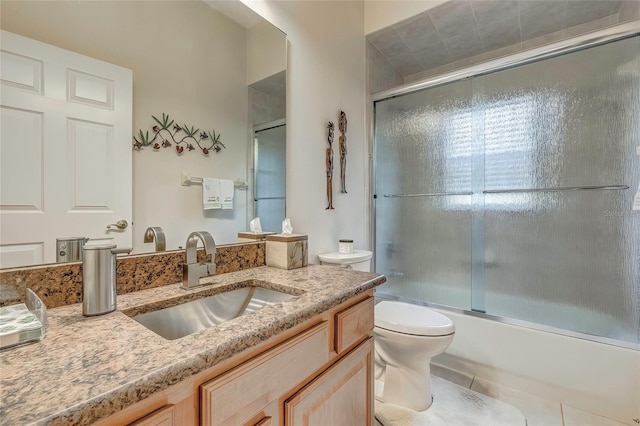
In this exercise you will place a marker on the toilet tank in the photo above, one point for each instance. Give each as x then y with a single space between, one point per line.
359 260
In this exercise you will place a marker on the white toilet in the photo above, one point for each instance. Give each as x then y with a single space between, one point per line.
406 338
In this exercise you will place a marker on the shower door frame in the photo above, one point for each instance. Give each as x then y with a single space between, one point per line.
596 38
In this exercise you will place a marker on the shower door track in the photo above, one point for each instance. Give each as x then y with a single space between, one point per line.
596 38
516 322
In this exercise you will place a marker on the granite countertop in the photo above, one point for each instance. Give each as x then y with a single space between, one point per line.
87 368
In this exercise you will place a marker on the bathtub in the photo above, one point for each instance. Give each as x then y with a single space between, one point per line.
601 378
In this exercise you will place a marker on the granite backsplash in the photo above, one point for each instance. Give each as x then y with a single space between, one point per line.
61 284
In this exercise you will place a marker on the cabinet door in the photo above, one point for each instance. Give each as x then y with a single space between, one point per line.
341 396
237 396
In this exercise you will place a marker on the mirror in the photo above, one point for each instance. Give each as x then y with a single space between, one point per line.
211 64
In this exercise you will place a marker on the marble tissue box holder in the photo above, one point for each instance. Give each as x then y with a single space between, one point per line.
287 251
253 237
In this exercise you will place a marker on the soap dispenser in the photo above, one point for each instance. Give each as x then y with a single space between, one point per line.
99 278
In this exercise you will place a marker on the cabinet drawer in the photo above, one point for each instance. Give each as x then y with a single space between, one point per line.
237 396
353 324
161 417
267 421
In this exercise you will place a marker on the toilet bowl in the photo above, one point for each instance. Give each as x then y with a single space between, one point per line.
406 338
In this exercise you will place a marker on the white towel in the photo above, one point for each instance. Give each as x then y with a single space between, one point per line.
226 191
211 198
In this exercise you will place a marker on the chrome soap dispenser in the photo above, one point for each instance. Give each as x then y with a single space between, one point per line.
99 278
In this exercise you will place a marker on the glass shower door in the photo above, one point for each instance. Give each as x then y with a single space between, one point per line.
562 244
423 182
511 193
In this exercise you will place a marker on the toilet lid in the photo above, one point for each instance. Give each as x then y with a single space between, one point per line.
412 319
337 258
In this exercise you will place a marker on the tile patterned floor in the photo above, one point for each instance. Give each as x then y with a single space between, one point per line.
538 411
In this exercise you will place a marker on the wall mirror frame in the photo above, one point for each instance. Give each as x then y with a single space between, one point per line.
214 64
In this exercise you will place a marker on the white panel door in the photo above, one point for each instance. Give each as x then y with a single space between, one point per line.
65 149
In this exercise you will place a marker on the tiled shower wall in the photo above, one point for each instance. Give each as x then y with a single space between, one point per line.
383 75
265 107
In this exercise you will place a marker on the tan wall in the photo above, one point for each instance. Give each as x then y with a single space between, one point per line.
266 51
325 73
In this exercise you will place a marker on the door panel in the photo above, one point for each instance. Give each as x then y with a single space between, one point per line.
65 149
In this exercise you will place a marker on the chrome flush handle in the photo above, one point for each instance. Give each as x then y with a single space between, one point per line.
121 224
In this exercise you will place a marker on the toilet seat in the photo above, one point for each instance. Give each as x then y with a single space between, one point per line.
417 320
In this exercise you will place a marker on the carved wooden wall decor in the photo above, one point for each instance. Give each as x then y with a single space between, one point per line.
329 163
342 126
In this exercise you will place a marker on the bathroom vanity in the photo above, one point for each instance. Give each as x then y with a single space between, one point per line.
306 359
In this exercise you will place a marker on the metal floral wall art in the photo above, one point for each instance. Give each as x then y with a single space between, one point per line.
168 133
329 163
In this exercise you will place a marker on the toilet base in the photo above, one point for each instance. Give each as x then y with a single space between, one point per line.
405 387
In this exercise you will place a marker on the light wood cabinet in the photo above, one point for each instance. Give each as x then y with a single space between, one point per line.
341 396
319 373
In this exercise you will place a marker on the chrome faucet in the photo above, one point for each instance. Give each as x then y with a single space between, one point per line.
155 233
192 271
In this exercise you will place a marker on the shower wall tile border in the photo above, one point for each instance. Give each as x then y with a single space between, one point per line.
629 11
61 284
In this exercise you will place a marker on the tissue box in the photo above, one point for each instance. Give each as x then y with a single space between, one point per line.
287 251
252 237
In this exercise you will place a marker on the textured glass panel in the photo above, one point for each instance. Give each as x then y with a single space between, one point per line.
270 162
565 121
271 214
423 145
424 248
569 259
424 140
269 192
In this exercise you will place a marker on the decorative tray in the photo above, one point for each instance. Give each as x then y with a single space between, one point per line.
23 323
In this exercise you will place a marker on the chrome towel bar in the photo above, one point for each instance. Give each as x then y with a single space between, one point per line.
433 194
515 191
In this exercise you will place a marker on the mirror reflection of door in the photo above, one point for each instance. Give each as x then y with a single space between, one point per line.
65 151
269 174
